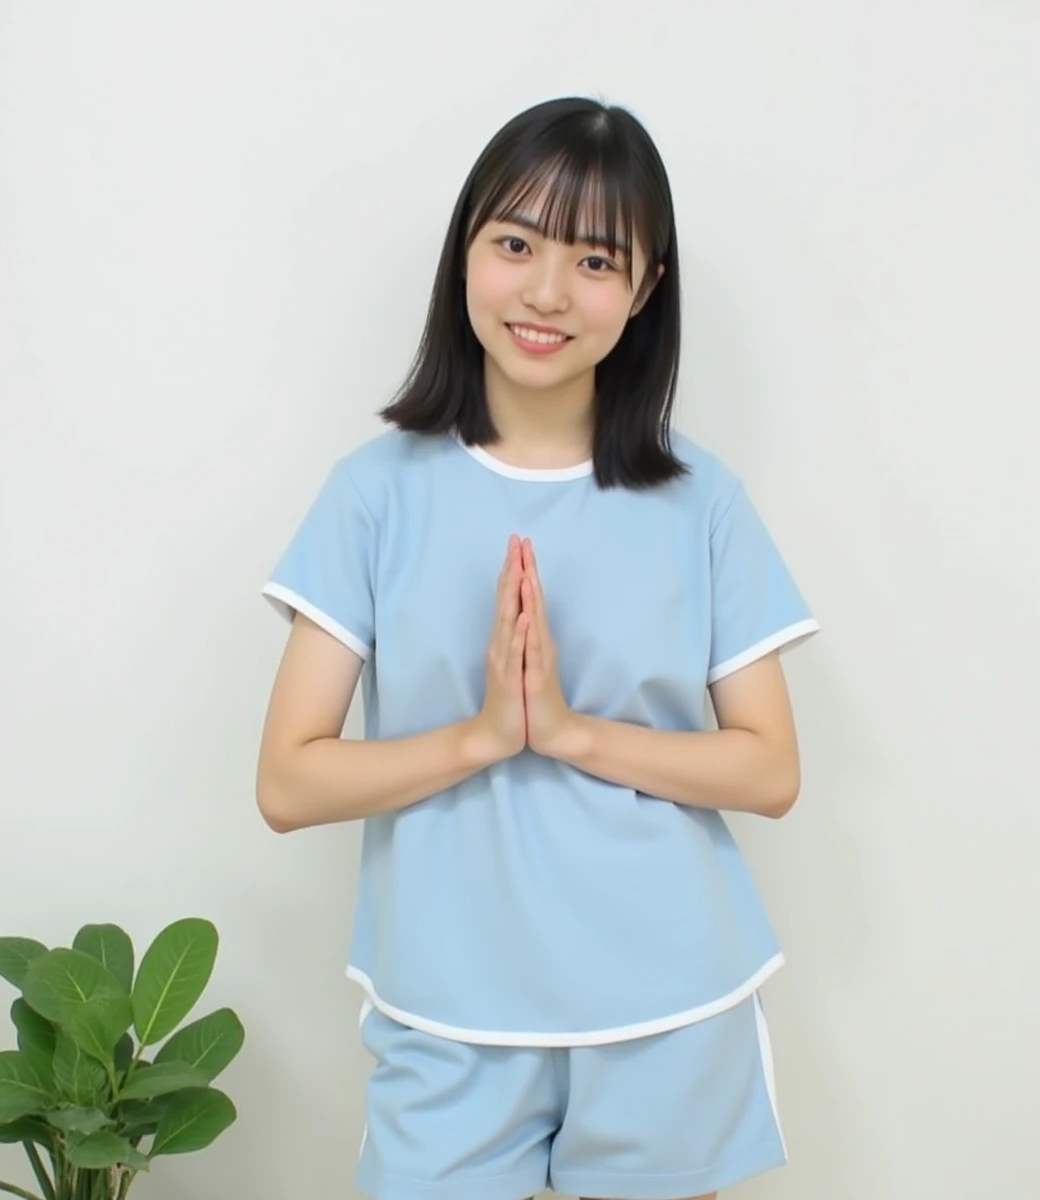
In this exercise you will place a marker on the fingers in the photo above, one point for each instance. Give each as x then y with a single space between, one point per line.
517 646
508 582
531 594
534 636
527 599
509 564
508 601
531 603
520 595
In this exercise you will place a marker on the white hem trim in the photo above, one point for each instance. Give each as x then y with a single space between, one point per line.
529 474
284 600
596 1037
784 639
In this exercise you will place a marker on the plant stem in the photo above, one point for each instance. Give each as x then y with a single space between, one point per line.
62 1172
17 1191
133 1063
41 1175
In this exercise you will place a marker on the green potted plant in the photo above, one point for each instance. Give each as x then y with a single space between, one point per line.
92 1103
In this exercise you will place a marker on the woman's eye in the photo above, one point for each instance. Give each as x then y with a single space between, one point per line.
600 266
514 245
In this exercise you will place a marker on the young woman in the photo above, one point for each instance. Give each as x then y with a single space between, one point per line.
538 584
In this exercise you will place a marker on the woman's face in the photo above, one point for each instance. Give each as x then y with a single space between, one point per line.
544 311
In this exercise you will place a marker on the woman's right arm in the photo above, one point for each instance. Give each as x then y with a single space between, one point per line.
308 774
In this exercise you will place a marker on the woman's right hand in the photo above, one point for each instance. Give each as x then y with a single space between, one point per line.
501 724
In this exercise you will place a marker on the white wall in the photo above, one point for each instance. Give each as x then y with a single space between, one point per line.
218 224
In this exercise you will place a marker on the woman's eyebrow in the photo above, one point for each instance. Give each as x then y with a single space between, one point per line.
595 240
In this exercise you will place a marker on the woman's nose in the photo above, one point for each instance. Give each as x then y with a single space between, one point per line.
545 287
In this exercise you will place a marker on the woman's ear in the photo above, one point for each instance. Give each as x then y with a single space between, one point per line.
646 292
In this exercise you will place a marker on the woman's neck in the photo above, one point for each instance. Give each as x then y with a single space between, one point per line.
540 428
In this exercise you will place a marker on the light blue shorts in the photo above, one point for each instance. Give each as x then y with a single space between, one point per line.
673 1115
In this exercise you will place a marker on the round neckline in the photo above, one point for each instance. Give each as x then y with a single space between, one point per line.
526 474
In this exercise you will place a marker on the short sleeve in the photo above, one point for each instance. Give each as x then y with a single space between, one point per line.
326 572
756 605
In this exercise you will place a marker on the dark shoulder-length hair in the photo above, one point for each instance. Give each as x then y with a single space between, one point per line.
578 153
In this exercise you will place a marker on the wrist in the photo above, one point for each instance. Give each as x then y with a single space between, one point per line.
478 747
574 742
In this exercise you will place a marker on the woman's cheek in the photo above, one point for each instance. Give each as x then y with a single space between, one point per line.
607 306
491 281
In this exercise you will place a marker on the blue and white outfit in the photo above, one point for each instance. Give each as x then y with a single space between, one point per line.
534 922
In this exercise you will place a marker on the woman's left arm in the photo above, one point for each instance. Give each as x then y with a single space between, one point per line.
749 764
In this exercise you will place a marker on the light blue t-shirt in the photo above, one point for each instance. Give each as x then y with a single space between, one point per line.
534 904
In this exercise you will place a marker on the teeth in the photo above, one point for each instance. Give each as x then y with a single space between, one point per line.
541 339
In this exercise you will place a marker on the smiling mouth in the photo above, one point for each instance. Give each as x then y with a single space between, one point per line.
537 337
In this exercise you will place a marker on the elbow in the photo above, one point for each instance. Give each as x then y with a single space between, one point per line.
276 823
271 801
784 787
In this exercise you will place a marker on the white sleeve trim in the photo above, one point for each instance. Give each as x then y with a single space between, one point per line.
596 1037
784 639
285 601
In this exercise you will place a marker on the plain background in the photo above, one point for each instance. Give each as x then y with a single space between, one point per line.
218 228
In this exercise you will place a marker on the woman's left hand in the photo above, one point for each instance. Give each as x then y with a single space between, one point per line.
549 719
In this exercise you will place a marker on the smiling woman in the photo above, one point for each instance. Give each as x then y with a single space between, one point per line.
559 942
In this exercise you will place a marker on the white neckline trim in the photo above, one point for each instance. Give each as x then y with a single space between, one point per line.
529 474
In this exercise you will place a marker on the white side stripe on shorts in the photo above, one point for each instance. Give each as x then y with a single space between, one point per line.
366 1008
765 1045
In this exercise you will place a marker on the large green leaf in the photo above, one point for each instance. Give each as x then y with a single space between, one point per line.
78 1076
148 1082
112 947
105 1149
192 1121
97 1027
26 1129
209 1044
24 1087
61 981
35 1033
173 975
140 1117
77 993
15 956
79 1120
